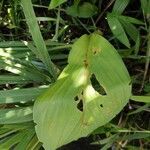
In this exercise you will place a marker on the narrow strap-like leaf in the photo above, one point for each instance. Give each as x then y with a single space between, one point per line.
117 29
145 99
120 6
15 115
19 95
37 37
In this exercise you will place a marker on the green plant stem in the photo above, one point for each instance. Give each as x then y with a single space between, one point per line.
147 60
93 23
67 46
55 38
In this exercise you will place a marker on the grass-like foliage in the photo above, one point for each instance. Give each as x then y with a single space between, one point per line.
74 74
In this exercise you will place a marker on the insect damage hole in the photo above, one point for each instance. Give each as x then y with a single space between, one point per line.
101 105
96 85
80 105
76 98
95 51
79 100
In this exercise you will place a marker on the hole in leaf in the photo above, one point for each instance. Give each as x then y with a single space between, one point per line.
80 105
96 85
94 52
101 105
82 93
76 98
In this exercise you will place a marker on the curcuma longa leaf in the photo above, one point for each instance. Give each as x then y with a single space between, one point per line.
73 107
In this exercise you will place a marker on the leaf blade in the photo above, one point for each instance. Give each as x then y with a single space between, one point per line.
55 3
97 109
37 37
117 30
145 99
15 115
19 95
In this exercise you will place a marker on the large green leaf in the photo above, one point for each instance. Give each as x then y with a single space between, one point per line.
74 107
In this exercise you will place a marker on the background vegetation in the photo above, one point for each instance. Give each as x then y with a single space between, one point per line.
32 56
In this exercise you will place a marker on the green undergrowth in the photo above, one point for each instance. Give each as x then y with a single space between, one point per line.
74 75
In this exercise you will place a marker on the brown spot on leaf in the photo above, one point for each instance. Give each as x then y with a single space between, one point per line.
85 63
95 51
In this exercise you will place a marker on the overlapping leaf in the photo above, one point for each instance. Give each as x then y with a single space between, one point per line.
144 99
120 25
145 4
55 3
15 115
41 52
16 135
73 107
19 95
120 6
117 29
85 10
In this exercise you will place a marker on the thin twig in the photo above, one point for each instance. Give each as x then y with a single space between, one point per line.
102 13
83 25
147 60
94 25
